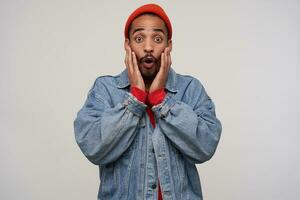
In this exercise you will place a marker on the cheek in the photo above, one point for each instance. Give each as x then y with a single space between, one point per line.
161 49
136 50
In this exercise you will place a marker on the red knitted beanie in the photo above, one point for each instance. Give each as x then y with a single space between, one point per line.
149 8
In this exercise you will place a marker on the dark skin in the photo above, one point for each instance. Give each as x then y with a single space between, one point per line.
148 38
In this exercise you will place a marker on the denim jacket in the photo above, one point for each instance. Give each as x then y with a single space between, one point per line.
114 132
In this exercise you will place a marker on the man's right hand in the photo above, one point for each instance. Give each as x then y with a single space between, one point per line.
134 74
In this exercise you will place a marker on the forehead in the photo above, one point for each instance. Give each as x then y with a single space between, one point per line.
148 22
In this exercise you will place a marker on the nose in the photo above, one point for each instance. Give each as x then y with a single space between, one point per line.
148 47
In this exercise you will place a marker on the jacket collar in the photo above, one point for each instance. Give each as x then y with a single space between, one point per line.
123 82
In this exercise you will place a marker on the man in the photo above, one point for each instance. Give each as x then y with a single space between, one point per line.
147 127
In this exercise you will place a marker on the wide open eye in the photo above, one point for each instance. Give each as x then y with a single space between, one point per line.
158 39
138 39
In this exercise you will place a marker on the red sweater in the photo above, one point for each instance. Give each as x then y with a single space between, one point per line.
152 99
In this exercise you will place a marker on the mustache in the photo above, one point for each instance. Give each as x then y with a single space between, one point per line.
149 57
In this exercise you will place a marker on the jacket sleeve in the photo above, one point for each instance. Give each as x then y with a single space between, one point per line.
192 127
102 131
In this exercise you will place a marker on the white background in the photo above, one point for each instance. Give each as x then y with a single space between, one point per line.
246 54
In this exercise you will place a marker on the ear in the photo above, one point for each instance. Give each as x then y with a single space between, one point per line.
126 44
170 44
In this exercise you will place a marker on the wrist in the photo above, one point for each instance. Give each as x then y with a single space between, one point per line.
140 94
156 97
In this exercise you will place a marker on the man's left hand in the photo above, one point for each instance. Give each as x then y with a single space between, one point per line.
162 75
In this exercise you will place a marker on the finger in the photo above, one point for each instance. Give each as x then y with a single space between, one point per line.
165 67
126 58
169 58
162 61
127 49
129 60
134 59
166 59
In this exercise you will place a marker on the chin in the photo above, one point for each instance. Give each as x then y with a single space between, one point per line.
149 74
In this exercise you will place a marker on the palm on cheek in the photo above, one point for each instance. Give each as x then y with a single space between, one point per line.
134 74
162 75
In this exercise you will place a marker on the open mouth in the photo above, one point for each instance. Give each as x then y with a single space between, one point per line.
148 62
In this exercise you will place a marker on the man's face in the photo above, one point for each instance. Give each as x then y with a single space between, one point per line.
148 39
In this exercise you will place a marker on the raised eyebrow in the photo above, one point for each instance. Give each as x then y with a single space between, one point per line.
138 29
159 30
155 30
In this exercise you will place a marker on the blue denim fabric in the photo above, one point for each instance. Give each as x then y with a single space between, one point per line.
114 132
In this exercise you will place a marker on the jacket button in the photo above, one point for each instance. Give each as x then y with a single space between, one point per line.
153 186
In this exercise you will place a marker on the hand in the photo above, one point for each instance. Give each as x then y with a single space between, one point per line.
134 74
162 75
